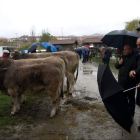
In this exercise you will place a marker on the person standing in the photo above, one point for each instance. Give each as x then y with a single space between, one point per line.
103 56
5 54
108 54
48 49
84 56
136 73
127 63
79 52
90 55
87 55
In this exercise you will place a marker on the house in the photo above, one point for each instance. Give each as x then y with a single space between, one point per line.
30 38
95 41
3 39
66 44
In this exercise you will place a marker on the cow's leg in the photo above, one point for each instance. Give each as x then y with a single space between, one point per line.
55 102
20 100
53 111
66 85
15 105
23 98
14 100
71 82
58 101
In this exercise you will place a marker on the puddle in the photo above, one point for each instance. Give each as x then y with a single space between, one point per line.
76 93
87 70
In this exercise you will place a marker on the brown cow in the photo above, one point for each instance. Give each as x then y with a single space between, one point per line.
6 63
33 78
72 57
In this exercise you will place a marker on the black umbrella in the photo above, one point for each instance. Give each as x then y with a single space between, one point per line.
33 47
113 97
138 29
83 48
58 47
119 38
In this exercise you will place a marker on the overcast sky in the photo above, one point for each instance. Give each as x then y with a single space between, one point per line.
67 17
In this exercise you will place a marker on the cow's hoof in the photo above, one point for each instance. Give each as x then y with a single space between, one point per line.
53 112
12 114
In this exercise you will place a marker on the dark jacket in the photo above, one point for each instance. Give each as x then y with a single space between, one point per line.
129 63
138 68
108 53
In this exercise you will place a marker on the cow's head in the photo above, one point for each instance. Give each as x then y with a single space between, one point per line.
15 55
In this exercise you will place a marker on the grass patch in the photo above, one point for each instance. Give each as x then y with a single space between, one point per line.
32 100
5 107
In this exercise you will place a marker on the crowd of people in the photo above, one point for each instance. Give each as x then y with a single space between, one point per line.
87 54
129 75
128 65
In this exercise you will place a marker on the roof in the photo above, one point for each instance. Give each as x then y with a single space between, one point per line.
61 42
93 40
3 38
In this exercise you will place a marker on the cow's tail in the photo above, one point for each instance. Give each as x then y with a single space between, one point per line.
67 71
77 68
62 86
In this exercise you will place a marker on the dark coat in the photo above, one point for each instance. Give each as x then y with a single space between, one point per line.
138 68
129 63
108 53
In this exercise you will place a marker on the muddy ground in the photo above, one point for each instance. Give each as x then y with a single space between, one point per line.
82 115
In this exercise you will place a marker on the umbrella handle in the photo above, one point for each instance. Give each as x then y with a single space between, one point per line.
130 89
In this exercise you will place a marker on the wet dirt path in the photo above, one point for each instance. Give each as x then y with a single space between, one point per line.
82 115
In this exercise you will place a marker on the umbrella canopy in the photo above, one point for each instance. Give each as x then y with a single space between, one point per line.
58 48
113 97
87 46
47 44
24 51
33 47
79 48
119 38
83 48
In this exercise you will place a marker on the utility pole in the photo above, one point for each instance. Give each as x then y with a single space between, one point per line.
16 39
62 33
